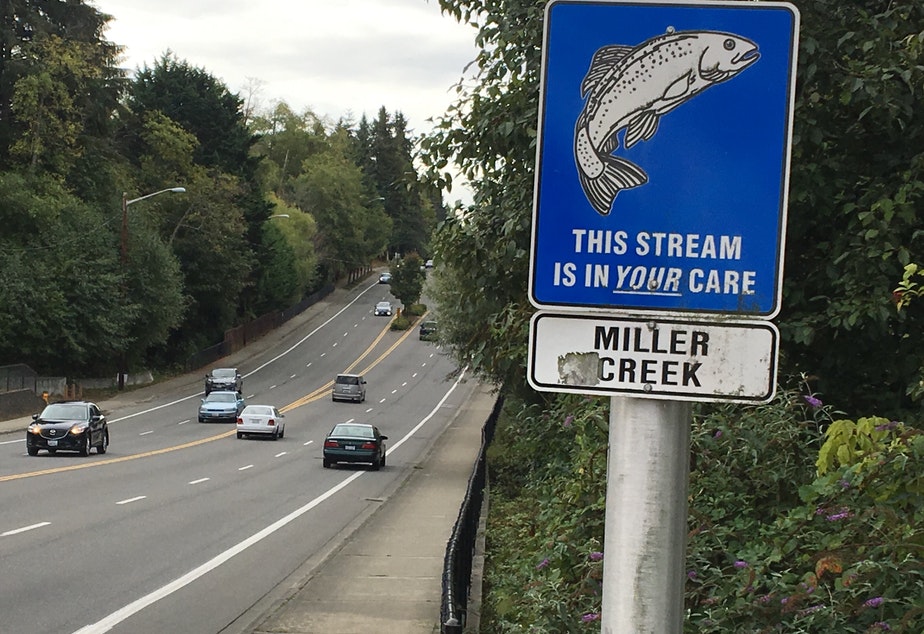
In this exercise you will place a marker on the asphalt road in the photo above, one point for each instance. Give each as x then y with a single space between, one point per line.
181 527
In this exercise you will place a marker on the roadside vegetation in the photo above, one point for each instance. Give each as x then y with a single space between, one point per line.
277 204
805 514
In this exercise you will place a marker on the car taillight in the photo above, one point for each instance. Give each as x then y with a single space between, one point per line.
271 422
368 445
331 443
240 421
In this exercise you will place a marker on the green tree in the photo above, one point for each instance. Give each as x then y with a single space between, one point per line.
408 279
857 189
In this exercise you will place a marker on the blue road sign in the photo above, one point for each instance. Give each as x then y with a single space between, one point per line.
663 156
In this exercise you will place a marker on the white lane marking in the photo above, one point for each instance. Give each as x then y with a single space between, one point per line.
10 442
280 454
431 355
251 396
292 376
308 366
414 376
307 443
369 409
404 384
254 371
183 422
250 466
394 391
109 622
382 401
349 421
323 354
199 481
130 500
272 387
145 433
424 364
16 531
346 333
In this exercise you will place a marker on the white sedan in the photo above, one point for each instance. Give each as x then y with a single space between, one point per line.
261 420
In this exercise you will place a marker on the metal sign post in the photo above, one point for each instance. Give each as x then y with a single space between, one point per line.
646 516
659 216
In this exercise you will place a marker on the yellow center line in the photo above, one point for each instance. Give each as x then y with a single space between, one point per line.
98 463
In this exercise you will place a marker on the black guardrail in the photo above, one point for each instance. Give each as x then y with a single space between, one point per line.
460 550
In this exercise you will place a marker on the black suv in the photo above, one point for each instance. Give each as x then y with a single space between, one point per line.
224 379
68 426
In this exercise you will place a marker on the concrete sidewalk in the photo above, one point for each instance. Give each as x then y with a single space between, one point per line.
386 576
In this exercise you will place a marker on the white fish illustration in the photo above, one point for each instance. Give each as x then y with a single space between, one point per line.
632 87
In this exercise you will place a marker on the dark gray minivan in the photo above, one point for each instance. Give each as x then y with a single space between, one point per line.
349 387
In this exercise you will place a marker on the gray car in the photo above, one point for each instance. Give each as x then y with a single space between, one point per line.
349 387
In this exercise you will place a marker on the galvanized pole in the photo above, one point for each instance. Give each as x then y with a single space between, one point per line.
646 516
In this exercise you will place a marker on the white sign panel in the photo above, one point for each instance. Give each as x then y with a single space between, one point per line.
651 357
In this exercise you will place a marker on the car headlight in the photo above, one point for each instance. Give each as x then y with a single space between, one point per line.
35 429
79 428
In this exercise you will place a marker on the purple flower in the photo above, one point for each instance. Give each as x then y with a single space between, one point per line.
568 420
881 626
811 400
691 574
740 564
840 515
811 609
875 602
590 616
845 484
596 555
542 564
717 434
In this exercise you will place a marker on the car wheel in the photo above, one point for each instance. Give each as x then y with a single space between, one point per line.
240 435
383 460
376 464
282 433
276 434
327 463
103 445
33 451
85 448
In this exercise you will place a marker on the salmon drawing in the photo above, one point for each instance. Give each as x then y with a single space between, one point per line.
631 88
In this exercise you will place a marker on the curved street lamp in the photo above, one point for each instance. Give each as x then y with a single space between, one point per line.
123 361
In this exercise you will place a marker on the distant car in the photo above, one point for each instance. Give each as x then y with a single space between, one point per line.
385 278
263 420
428 264
428 330
68 426
224 379
383 308
221 407
354 442
349 387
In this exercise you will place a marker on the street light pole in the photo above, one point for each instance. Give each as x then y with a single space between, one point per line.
123 260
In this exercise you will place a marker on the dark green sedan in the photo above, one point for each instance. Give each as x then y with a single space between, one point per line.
355 442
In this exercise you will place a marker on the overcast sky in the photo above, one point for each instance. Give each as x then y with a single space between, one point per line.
336 57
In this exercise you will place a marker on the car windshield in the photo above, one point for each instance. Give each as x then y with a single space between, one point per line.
65 411
348 380
346 429
220 397
223 374
258 410
384 305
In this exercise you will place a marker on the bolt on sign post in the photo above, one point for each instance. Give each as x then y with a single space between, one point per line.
659 215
